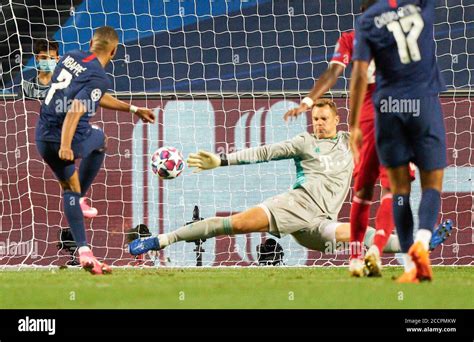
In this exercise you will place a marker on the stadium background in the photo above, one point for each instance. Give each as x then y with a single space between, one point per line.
221 74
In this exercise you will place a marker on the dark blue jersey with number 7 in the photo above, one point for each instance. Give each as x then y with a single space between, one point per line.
398 35
78 76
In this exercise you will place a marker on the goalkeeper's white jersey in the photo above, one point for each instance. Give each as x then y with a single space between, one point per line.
323 166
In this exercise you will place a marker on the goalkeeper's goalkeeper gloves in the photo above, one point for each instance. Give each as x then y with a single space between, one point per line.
203 160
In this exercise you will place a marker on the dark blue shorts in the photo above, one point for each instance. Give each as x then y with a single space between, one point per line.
65 169
411 131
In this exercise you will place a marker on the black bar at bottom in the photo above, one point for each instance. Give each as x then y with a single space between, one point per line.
437 324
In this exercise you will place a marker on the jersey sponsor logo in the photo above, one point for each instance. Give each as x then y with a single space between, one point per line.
327 162
96 94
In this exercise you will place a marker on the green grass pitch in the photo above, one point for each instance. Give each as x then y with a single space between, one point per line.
267 287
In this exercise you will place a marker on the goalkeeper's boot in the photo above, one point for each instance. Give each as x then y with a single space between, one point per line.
408 277
441 233
90 263
87 210
373 262
421 257
143 245
357 267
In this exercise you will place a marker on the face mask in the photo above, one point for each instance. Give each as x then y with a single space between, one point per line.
47 65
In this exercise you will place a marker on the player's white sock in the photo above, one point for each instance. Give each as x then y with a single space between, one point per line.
374 250
84 249
164 241
392 245
424 236
369 237
409 264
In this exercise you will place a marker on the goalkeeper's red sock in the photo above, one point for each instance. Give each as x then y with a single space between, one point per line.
384 223
359 221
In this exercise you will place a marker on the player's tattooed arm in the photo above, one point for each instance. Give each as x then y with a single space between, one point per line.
69 128
357 93
327 80
109 102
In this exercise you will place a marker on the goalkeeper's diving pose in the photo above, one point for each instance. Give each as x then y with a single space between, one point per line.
308 212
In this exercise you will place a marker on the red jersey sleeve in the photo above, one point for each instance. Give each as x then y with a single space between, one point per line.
344 47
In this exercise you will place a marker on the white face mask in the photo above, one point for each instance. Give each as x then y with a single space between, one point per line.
47 65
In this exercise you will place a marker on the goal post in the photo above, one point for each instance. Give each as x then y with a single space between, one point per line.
219 75
127 193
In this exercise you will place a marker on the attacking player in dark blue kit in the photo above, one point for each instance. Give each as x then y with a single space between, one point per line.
63 132
398 35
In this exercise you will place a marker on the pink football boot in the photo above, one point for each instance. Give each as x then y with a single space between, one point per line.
87 210
90 263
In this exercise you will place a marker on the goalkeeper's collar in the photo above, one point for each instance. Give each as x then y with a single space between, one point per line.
333 138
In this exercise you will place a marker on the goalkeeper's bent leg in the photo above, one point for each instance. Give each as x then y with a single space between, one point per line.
204 229
249 221
252 220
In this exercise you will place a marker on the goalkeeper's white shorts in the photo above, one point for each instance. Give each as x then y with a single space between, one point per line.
296 213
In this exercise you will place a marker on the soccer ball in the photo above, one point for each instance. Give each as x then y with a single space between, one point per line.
167 162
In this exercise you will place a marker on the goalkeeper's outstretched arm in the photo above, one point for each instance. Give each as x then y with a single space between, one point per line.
204 160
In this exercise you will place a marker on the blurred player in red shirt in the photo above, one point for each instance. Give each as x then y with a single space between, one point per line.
367 169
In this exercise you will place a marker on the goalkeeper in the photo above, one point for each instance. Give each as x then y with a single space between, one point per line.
308 212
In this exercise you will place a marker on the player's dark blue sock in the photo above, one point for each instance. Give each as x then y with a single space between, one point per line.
403 218
429 208
73 212
89 168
